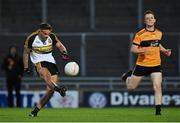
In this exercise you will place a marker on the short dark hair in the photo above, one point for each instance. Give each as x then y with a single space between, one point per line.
149 12
45 26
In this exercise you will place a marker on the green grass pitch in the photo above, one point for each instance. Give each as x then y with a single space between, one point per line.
124 114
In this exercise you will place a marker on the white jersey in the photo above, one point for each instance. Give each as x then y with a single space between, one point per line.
41 50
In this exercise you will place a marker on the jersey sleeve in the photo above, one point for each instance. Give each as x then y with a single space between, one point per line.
28 42
136 40
54 38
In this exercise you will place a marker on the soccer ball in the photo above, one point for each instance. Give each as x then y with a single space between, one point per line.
71 69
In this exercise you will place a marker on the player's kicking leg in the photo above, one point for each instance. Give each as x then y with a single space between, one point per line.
60 89
157 81
51 81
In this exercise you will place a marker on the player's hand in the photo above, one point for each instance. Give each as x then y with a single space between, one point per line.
167 52
143 51
65 56
27 71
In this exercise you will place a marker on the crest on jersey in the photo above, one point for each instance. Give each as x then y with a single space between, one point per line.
49 41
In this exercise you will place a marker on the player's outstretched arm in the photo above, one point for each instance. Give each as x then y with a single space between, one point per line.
165 51
63 50
61 47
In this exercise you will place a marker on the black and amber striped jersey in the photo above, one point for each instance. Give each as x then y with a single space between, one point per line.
40 50
150 40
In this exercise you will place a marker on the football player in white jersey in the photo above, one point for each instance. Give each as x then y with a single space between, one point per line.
39 46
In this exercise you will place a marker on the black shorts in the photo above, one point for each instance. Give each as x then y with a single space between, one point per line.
50 66
145 71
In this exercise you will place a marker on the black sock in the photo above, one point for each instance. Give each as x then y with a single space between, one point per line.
56 88
158 109
36 110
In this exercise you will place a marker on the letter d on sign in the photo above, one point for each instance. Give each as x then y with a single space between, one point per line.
116 98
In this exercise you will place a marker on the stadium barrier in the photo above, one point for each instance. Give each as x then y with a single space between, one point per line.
31 98
101 99
96 92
